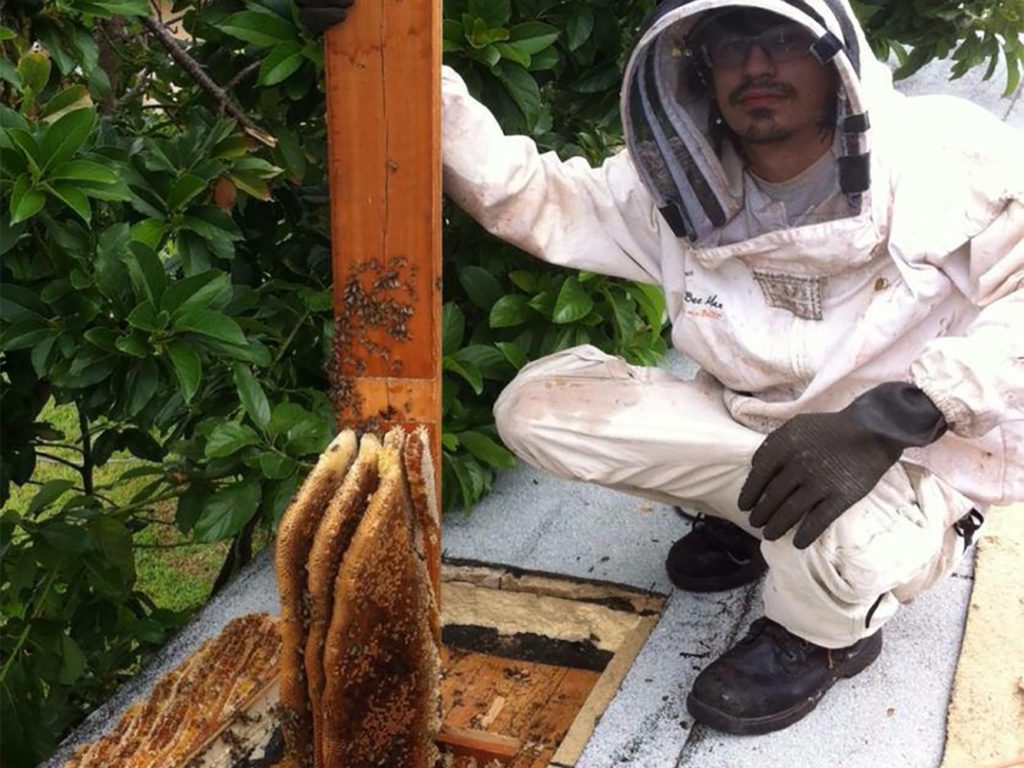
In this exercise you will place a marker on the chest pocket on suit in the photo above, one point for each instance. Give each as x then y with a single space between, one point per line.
797 294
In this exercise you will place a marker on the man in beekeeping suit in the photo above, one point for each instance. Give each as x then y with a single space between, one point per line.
845 265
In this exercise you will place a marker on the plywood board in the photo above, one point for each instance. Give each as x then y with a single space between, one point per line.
985 726
529 701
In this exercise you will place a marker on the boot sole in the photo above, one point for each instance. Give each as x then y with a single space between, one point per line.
756 726
743 575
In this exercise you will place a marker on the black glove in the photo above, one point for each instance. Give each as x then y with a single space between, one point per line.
817 465
320 15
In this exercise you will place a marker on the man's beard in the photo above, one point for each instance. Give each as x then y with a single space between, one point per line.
764 129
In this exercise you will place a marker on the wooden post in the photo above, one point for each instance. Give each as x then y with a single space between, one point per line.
384 150
383 119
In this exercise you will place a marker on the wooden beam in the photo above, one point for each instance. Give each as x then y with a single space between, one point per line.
383 70
482 746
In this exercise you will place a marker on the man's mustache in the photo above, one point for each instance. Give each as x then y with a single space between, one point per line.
772 86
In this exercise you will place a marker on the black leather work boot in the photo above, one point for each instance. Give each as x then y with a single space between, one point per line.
715 555
772 678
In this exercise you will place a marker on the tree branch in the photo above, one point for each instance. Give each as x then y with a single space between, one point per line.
172 545
247 70
60 460
135 90
87 464
190 65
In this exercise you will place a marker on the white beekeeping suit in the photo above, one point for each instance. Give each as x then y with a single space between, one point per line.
905 264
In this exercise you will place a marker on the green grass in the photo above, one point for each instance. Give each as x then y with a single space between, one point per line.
175 572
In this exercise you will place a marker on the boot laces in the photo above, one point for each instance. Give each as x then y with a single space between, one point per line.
794 649
728 537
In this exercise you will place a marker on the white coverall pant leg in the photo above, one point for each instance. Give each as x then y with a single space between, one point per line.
584 415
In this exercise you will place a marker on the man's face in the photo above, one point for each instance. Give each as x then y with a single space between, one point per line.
768 86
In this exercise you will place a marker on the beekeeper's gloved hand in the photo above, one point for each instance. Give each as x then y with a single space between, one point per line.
320 15
817 465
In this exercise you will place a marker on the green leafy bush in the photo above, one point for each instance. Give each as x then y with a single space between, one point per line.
153 282
970 34
165 271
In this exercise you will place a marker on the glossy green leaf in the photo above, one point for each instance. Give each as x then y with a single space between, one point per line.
533 36
470 476
510 310
581 24
489 360
9 73
68 100
211 224
25 201
72 661
513 54
573 303
264 29
523 89
274 466
494 13
130 345
480 35
308 436
18 302
197 292
251 184
188 368
253 398
523 280
24 334
453 327
150 232
11 120
229 437
73 198
481 286
144 317
284 415
115 542
143 383
212 324
545 60
283 60
34 70
142 445
65 538
512 353
190 506
227 512
105 578
597 79
30 148
624 316
651 301
487 450
467 371
184 190
147 272
67 135
48 493
108 8
279 495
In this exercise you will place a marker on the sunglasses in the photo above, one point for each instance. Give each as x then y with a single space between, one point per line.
782 43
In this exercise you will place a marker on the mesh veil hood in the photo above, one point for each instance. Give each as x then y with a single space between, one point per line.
667 125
